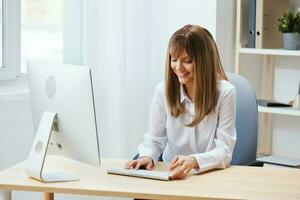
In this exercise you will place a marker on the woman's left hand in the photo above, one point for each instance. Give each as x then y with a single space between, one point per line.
182 165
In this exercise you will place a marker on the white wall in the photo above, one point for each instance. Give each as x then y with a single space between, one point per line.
16 130
225 32
286 129
180 13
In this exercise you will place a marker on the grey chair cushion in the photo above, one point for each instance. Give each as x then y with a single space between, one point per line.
246 121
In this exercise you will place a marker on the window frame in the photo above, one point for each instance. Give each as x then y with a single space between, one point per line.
74 46
11 39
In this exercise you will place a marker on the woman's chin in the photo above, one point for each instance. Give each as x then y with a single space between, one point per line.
183 80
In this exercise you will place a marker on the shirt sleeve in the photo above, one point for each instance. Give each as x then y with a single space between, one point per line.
225 136
155 139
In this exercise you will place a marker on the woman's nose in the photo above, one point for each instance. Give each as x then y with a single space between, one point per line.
178 65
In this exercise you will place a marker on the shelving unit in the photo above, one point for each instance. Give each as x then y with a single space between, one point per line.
281 111
272 52
267 57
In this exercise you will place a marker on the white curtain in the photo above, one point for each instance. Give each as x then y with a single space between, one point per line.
125 48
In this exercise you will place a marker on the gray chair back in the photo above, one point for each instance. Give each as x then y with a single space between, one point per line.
244 152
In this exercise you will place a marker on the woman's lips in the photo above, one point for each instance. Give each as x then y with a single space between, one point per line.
182 75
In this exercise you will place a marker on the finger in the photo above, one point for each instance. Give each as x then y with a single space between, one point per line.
149 166
174 160
174 175
181 176
127 164
177 174
183 166
181 172
187 170
130 164
176 164
138 164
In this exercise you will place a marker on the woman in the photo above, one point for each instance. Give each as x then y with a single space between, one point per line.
192 116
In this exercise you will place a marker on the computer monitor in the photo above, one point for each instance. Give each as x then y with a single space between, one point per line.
64 117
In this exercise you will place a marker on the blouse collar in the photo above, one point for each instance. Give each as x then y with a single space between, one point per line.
183 95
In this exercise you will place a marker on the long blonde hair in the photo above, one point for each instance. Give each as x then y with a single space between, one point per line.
202 49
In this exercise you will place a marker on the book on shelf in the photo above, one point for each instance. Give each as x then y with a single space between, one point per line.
267 14
251 23
280 160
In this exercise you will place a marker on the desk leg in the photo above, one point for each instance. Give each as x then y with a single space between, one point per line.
48 196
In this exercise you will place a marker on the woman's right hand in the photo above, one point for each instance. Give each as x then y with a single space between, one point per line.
143 162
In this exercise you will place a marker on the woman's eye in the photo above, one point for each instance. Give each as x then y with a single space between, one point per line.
173 60
188 61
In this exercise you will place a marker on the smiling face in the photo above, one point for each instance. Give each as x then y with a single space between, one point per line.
183 66
193 60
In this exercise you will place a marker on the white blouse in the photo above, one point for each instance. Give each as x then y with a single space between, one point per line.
211 142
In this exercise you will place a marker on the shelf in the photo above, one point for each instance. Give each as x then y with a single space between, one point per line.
280 160
276 52
281 111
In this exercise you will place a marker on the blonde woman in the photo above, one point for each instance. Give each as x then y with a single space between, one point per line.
192 116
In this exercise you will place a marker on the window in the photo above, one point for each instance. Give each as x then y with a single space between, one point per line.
1 33
39 29
10 39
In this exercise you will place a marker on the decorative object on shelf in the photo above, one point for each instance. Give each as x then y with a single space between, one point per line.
296 103
289 25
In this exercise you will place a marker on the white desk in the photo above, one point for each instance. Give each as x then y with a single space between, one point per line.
236 182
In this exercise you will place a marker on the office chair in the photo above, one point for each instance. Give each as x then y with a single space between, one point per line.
244 152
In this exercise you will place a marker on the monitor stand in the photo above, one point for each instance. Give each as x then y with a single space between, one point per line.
35 162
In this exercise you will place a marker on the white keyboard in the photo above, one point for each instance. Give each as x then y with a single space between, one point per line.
141 173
